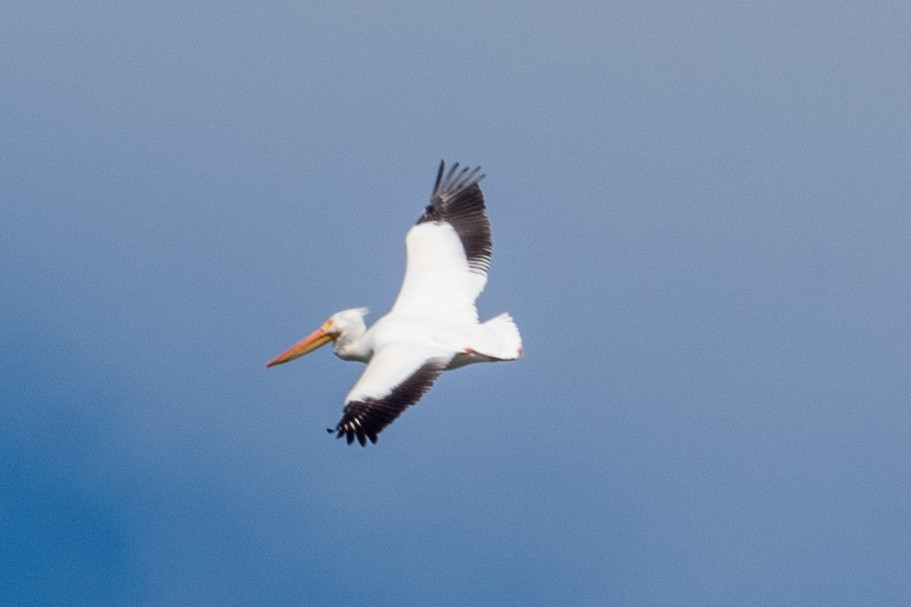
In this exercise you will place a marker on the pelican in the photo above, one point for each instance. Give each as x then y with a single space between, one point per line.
433 325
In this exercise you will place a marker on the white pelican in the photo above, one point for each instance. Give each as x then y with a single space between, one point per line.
433 325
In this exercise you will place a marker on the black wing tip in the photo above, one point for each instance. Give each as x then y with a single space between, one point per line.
454 181
351 434
436 185
454 193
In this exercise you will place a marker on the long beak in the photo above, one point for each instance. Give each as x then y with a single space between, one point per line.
308 344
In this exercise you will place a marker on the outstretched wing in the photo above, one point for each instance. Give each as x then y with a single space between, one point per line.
395 378
448 250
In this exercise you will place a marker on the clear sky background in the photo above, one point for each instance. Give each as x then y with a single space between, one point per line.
702 226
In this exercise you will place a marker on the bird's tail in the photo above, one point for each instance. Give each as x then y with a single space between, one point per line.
505 334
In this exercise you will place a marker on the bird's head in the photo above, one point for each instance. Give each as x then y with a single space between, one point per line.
342 327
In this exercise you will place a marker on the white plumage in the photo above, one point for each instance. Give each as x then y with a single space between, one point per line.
433 325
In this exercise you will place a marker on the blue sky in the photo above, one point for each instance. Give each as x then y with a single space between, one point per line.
701 225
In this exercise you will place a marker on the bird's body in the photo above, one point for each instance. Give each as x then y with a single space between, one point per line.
433 325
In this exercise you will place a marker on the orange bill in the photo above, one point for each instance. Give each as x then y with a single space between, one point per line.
308 344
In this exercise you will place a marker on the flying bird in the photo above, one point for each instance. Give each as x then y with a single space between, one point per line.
433 325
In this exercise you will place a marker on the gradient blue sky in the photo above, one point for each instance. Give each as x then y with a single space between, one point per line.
701 224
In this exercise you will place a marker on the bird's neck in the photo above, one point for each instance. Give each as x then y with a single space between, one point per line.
353 347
